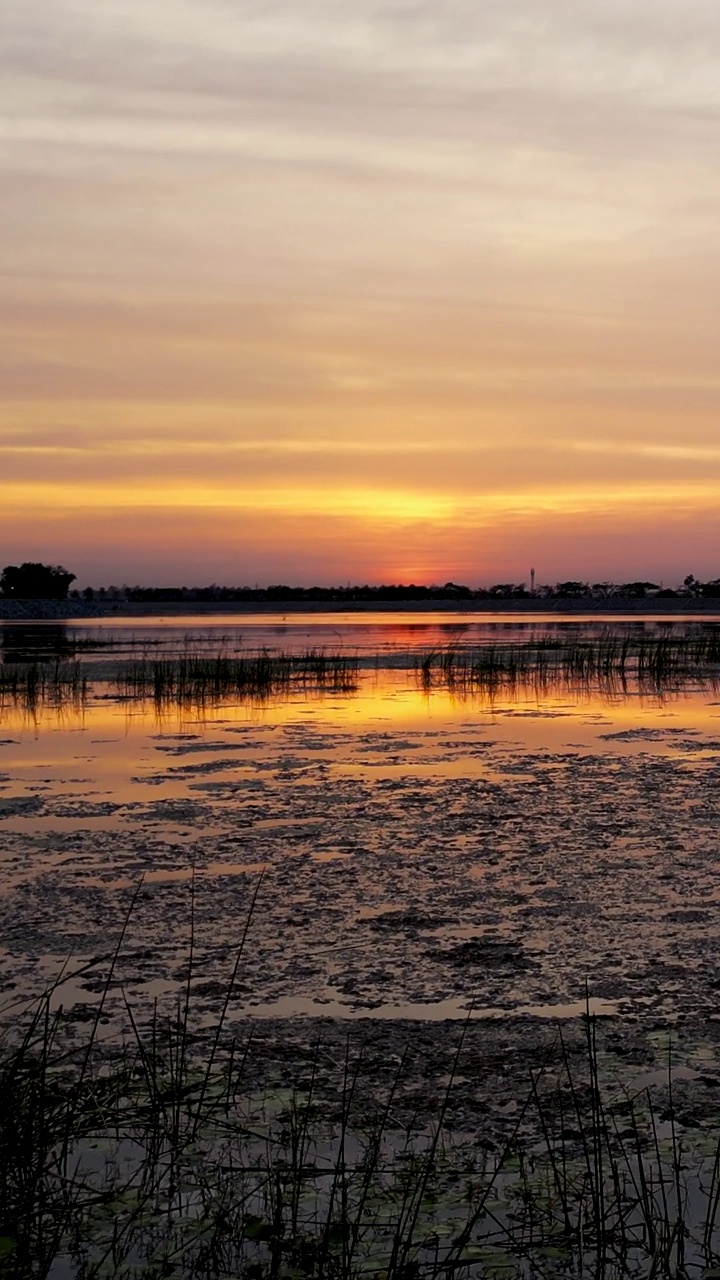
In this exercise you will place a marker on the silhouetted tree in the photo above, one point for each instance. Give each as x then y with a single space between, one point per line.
637 589
33 581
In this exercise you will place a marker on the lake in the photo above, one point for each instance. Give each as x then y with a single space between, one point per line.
417 852
324 902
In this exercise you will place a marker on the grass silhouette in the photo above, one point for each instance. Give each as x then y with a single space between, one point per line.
165 1155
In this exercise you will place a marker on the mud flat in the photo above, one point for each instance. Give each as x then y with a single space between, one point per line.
504 860
490 862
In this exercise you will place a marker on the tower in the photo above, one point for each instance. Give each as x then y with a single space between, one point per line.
532 582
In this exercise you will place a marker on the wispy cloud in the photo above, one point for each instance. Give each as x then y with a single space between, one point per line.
670 453
457 254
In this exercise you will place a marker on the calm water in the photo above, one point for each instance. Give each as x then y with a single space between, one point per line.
417 854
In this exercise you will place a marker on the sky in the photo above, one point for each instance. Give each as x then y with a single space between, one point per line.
313 292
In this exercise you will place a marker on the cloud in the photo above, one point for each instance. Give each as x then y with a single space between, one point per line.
388 87
442 252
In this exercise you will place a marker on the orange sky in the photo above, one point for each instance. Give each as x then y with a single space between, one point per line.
304 291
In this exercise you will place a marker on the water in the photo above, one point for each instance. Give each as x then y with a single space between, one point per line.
412 877
418 855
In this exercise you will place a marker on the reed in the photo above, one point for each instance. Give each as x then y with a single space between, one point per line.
610 660
33 685
168 1157
193 679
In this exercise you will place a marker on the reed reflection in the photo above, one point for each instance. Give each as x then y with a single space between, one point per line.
41 667
28 642
612 664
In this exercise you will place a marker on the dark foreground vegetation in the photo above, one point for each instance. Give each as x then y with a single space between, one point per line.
171 1157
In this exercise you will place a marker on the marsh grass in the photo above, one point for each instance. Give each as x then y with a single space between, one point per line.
34 685
188 680
195 679
612 662
167 1156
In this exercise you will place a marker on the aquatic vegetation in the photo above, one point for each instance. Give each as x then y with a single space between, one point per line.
613 660
170 1157
53 668
197 678
186 680
34 684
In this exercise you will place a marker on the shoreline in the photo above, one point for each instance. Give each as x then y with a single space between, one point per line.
78 610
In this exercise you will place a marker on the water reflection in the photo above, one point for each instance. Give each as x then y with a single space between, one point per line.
562 835
35 642
366 635
478 661
42 696
385 701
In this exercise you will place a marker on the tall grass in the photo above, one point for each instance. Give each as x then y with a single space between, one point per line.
36 684
192 679
612 660
188 680
170 1157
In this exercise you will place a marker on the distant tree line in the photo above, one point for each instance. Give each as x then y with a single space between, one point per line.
278 594
34 581
450 591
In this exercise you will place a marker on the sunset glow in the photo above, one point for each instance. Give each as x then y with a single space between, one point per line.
306 292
